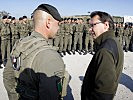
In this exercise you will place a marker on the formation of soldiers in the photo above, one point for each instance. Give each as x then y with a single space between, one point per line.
72 36
11 30
125 35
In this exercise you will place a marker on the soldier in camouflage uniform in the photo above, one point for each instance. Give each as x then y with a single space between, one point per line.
5 38
131 42
75 35
58 41
23 27
130 36
120 30
126 38
91 45
20 28
35 70
14 31
73 24
31 28
80 34
57 38
116 29
61 36
2 31
26 26
68 36
87 32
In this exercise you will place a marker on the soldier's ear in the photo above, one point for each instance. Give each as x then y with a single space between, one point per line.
48 23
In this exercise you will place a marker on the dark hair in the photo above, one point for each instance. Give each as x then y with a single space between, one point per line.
65 19
72 18
68 18
62 19
104 17
75 19
4 17
24 17
87 19
9 17
20 18
13 18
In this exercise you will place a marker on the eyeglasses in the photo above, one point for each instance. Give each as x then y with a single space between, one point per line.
92 25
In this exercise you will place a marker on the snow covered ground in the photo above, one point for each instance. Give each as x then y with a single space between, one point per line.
77 65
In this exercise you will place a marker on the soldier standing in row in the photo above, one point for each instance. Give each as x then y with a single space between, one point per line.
26 26
2 32
121 30
14 31
125 38
31 28
68 36
20 28
75 35
88 40
58 41
131 41
62 33
80 35
5 39
87 36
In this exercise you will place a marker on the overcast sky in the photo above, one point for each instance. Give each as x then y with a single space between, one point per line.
19 8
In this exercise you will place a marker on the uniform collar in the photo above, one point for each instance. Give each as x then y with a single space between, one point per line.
39 35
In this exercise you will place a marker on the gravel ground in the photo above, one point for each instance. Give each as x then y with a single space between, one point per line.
77 65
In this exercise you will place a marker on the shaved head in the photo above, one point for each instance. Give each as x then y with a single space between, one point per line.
39 17
44 23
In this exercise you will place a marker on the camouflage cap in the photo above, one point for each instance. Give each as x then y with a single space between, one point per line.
50 10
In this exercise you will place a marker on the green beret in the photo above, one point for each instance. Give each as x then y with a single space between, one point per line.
50 10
